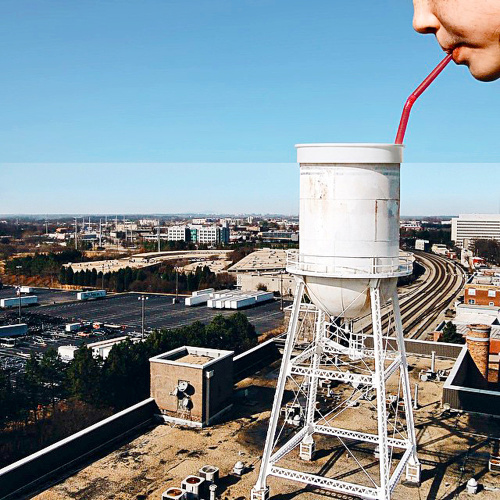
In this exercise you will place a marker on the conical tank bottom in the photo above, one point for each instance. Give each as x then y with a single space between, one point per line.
347 298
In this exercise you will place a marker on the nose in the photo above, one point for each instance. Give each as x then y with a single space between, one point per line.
424 20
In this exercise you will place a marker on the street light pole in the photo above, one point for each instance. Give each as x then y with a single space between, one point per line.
19 291
281 291
143 304
176 285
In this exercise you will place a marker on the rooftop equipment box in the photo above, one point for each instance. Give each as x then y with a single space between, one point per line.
192 385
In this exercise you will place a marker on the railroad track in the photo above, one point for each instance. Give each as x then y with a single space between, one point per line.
421 311
422 305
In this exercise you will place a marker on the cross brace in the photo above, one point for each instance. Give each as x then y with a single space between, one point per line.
325 482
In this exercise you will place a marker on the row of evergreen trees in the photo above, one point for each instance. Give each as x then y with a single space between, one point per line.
42 264
154 279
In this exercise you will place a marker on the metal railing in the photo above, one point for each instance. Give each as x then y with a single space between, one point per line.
340 266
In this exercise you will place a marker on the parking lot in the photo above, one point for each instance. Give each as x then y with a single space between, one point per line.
46 322
160 312
45 296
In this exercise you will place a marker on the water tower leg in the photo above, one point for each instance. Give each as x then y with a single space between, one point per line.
261 491
413 466
379 383
307 446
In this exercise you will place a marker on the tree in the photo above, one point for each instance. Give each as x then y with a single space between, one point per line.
30 383
488 250
70 276
261 287
450 334
83 376
51 374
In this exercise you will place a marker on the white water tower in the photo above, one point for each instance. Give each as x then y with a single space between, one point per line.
347 265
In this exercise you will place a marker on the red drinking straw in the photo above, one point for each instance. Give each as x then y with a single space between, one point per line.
415 95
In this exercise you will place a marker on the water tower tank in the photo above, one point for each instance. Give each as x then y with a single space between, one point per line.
349 224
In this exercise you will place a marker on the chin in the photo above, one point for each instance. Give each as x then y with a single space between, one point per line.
485 71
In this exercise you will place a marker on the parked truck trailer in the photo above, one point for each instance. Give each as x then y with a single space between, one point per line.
27 300
92 294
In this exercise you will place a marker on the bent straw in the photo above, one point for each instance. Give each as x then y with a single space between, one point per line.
415 95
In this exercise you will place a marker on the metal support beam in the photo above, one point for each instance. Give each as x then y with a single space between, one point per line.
410 424
280 388
359 436
326 483
347 377
379 380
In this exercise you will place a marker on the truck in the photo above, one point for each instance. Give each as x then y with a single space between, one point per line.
73 327
93 294
27 300
26 289
14 330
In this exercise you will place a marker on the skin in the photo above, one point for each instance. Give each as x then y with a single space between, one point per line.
469 29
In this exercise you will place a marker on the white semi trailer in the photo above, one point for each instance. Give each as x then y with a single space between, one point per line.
93 294
14 301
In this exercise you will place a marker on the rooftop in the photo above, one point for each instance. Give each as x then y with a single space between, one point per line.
453 447
191 356
265 259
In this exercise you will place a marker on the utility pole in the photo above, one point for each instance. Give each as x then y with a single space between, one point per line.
176 285
143 299
19 290
76 231
281 290
158 234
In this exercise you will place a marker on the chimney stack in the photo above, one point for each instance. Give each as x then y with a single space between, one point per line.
478 344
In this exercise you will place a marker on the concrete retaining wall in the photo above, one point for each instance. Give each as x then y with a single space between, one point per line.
25 474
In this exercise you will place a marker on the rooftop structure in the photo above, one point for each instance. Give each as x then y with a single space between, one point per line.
192 386
266 259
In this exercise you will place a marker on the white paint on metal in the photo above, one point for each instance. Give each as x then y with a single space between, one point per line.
349 220
348 264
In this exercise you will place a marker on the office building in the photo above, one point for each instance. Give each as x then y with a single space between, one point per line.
469 227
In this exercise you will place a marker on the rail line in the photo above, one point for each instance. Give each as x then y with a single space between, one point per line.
424 303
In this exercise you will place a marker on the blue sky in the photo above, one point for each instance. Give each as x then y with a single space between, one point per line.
174 106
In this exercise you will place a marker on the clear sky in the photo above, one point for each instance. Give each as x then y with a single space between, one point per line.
181 106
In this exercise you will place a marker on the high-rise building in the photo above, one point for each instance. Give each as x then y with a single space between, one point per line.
469 227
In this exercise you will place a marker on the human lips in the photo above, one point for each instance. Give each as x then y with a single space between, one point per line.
456 50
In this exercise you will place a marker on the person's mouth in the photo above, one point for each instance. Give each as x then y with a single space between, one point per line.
456 50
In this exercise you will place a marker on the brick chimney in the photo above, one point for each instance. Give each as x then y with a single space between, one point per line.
478 344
